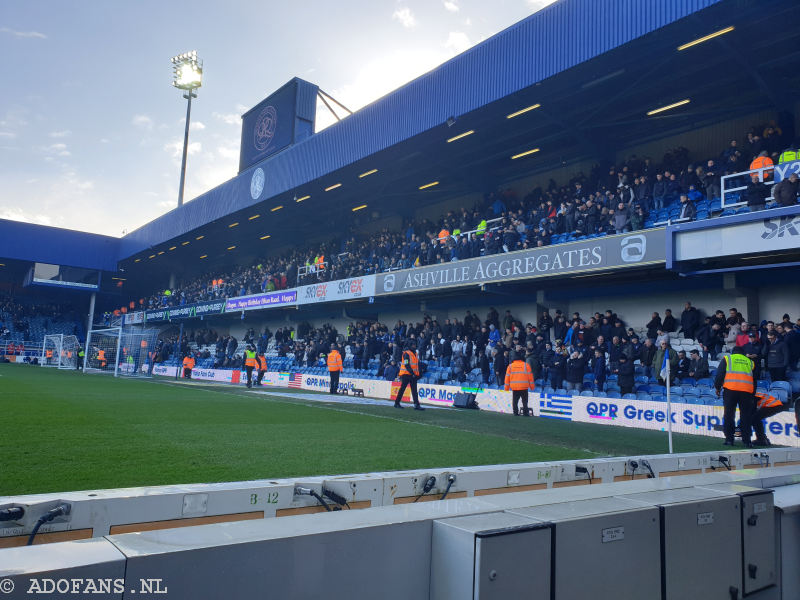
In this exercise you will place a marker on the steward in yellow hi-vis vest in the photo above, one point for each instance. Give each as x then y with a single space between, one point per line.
735 379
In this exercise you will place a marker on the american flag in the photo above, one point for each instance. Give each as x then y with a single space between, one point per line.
296 380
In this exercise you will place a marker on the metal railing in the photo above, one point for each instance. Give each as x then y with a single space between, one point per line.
735 180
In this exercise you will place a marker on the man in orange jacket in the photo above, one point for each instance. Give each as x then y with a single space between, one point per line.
519 379
188 365
766 406
409 373
261 364
334 367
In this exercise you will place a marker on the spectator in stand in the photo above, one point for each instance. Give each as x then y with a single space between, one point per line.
390 371
625 375
653 326
684 366
658 361
743 337
688 210
599 369
777 357
647 355
690 320
756 193
754 350
785 192
699 365
545 324
576 367
670 325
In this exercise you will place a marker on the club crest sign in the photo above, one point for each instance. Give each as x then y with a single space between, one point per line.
264 129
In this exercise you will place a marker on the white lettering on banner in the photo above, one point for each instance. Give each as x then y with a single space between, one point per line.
786 169
694 419
345 289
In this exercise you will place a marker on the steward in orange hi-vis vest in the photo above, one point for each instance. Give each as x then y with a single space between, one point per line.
519 379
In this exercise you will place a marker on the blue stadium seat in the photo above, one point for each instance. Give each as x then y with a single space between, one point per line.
706 381
657 398
561 392
629 397
600 395
643 396
781 385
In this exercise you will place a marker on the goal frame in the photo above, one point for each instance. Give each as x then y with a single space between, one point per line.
118 332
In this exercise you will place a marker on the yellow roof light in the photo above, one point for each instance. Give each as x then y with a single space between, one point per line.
204 256
461 135
233 224
172 248
333 187
160 252
231 247
185 243
367 173
705 38
276 208
138 260
526 153
253 218
667 107
523 111
152 256
265 237
359 207
428 185
303 198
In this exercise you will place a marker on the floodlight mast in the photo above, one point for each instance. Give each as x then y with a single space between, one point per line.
187 75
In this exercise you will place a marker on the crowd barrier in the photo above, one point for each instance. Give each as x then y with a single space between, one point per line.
695 419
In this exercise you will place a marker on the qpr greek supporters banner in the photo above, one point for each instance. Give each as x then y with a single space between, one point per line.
256 301
344 289
611 252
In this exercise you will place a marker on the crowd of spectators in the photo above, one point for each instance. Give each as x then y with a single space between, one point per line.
610 199
560 348
16 317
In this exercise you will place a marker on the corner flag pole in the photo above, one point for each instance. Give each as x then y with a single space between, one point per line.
669 401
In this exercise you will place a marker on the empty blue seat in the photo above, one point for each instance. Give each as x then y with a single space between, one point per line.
657 398
561 392
641 396
692 392
781 385
587 393
640 379
600 395
612 377
688 381
548 390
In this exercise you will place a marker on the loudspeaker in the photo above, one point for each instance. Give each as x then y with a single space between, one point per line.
464 400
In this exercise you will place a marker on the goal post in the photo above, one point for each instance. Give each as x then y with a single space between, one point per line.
137 351
103 351
51 350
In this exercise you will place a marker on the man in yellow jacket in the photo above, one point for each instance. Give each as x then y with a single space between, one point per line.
519 379
334 367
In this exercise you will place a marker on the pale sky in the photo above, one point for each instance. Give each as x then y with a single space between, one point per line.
91 129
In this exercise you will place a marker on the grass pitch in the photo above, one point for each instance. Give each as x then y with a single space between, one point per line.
63 431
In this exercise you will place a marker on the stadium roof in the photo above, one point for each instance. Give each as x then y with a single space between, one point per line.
595 69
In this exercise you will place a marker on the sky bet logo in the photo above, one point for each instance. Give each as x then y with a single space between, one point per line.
779 227
351 286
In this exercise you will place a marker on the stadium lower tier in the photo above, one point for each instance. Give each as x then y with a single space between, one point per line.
689 409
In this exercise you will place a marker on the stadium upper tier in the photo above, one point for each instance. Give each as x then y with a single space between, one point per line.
632 196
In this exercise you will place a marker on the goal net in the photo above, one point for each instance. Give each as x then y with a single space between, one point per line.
60 351
102 351
137 351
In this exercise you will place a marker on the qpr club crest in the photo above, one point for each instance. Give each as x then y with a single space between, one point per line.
264 130
257 183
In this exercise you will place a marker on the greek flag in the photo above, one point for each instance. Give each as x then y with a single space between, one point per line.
665 366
